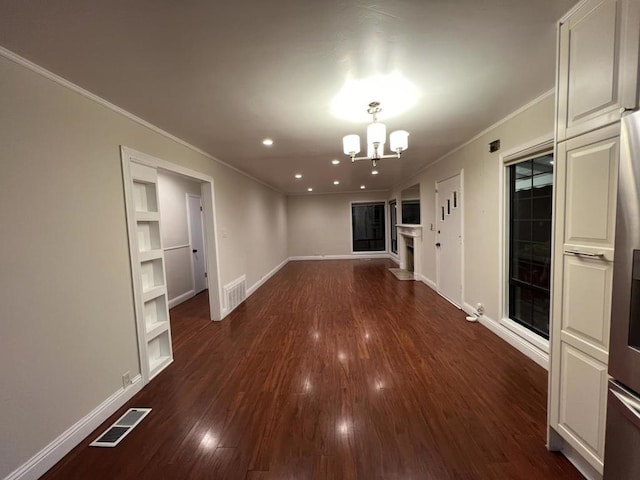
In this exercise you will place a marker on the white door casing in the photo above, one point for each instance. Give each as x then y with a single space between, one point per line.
449 239
196 243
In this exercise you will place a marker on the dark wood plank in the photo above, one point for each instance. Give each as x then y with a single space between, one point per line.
334 370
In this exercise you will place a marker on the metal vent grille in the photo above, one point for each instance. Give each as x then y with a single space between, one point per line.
235 293
121 428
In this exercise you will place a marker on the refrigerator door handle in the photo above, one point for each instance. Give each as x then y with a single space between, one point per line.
585 254
631 405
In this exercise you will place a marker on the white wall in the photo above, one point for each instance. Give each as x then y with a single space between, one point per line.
320 225
67 319
172 191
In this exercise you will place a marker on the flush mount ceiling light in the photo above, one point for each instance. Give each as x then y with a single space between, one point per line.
298 175
336 182
335 161
376 138
397 93
267 142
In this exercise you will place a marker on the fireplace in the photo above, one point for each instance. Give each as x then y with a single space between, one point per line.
410 248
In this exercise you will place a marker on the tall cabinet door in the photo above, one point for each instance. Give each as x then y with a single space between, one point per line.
587 175
598 61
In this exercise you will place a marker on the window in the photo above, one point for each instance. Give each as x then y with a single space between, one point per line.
367 220
393 216
530 208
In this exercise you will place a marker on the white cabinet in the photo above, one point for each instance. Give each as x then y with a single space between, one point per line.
597 65
586 189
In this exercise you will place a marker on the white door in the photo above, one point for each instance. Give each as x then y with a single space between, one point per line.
449 239
196 242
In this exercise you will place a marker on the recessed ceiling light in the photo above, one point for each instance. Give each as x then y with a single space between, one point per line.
362 187
335 161
298 175
267 141
374 172
309 189
336 182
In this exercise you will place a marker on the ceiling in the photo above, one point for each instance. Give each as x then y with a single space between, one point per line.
225 75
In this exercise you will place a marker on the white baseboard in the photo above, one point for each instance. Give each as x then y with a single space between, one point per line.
516 341
266 277
394 258
181 298
584 467
427 281
353 256
46 458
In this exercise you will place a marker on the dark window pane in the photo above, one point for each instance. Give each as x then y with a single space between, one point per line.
367 222
411 211
394 231
530 210
542 207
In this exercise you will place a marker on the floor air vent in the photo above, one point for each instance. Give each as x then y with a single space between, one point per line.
116 432
235 293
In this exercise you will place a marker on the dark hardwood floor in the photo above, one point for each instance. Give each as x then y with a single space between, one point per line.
334 370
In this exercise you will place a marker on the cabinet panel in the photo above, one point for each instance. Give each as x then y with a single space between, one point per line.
590 171
595 80
587 299
583 388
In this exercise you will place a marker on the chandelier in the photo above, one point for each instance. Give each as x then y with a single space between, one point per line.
376 138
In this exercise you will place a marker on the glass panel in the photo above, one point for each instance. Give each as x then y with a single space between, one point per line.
393 216
368 227
530 211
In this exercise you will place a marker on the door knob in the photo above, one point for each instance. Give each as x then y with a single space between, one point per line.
438 244
195 251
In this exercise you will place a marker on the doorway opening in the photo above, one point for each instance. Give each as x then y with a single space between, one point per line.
159 275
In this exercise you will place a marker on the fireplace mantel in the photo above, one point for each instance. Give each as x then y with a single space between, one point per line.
409 233
409 230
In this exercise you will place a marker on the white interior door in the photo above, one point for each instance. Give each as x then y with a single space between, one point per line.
196 242
449 239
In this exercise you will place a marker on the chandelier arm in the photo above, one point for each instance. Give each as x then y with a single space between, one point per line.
395 155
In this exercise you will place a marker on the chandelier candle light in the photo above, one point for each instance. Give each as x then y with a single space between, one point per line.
376 138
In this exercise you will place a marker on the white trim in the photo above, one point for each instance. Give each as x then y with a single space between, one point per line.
386 223
533 338
266 277
46 458
209 221
177 247
508 158
9 55
204 241
427 281
353 256
578 461
181 298
394 258
516 341
513 114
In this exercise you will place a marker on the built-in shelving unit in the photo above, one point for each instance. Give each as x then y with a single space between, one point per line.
148 266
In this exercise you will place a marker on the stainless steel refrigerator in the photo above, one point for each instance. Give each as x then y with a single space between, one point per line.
622 448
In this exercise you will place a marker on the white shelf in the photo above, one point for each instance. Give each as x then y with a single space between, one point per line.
149 255
155 312
144 196
153 293
151 274
159 352
147 216
148 235
157 330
